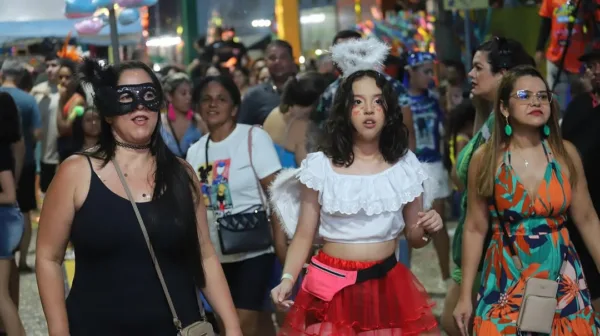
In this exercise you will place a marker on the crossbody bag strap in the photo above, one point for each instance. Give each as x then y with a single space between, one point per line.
505 232
260 190
163 284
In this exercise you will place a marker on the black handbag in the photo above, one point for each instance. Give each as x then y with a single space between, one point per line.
244 232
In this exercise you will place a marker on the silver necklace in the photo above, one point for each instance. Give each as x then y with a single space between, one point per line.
522 158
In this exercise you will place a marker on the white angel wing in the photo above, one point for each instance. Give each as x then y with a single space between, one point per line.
285 199
429 191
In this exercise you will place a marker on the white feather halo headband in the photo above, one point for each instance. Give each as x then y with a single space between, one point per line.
359 54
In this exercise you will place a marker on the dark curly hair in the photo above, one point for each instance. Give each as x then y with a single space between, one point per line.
338 135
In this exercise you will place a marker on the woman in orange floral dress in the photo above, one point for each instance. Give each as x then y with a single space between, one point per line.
526 181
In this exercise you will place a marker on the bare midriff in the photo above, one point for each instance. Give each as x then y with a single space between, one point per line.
361 251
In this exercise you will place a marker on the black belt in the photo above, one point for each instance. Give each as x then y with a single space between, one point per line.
377 271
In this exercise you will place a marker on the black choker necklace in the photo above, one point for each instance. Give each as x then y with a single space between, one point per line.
131 146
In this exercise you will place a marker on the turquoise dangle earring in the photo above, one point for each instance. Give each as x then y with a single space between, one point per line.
507 128
546 130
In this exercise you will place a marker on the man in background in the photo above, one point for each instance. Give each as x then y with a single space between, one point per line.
31 126
260 100
556 18
580 126
47 97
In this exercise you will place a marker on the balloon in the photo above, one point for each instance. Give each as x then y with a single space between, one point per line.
103 3
75 9
90 26
129 3
135 3
149 2
129 16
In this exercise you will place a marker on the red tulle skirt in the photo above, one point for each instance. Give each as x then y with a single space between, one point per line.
395 305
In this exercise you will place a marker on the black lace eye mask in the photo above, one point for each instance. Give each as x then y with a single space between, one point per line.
132 96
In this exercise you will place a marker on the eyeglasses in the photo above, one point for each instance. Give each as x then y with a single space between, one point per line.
544 97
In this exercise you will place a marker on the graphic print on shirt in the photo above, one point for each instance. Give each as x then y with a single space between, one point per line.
426 124
425 128
215 185
564 13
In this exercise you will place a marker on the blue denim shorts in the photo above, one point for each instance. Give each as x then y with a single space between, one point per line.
11 230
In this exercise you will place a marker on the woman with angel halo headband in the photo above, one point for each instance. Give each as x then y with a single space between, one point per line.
359 193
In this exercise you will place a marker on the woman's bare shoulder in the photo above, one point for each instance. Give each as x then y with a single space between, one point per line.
272 119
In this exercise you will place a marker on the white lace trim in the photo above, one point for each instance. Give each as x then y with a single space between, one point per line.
374 194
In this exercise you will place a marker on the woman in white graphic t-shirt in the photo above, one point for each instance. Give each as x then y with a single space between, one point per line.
235 164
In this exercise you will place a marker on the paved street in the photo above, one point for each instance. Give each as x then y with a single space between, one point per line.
424 265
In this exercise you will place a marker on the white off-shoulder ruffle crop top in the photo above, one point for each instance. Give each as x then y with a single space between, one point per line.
354 208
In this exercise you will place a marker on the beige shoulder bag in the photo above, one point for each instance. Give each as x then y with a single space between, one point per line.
536 313
200 328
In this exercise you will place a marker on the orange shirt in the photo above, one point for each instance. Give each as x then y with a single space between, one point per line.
561 11
68 106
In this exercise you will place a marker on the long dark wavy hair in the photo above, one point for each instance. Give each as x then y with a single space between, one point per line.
174 191
338 136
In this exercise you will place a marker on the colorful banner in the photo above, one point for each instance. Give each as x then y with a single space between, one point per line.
404 31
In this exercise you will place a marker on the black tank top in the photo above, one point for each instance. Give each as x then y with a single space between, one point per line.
116 290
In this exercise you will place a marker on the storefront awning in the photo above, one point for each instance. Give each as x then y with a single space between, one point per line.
26 20
13 31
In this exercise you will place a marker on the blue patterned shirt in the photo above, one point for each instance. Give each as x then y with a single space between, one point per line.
428 125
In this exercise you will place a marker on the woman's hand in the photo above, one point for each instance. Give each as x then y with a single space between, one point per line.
280 293
462 315
430 221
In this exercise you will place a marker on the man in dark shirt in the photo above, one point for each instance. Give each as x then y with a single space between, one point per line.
222 51
260 100
580 126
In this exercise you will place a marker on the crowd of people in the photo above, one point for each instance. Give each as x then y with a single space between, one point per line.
240 190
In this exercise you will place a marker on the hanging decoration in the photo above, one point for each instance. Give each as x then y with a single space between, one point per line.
76 9
102 3
94 17
90 26
135 3
404 31
101 13
129 16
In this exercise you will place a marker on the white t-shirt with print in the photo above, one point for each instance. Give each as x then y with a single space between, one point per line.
230 179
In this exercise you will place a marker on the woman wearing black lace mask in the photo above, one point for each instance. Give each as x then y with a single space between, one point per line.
116 290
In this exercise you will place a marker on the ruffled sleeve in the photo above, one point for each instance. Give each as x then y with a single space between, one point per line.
286 189
374 194
387 191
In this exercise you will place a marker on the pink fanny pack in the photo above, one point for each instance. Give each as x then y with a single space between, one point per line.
324 281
